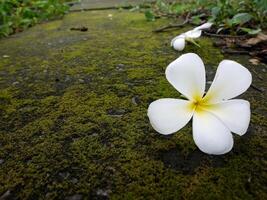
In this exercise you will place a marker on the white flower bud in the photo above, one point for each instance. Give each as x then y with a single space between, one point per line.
179 44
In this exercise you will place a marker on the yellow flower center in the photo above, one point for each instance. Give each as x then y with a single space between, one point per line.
199 104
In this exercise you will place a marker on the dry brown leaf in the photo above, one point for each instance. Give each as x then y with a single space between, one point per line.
253 41
254 61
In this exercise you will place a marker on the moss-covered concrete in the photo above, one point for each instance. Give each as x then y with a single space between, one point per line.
74 125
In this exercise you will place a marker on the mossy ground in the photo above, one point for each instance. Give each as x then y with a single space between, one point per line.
73 117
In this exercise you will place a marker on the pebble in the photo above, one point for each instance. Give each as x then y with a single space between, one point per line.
101 192
1 161
15 83
74 180
120 65
6 56
81 80
135 100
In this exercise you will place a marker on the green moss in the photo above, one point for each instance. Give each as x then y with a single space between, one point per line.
141 73
210 54
74 117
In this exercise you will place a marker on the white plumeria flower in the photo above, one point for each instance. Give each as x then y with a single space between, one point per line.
179 41
214 115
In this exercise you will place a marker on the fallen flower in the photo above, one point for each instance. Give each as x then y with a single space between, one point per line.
204 26
179 41
214 115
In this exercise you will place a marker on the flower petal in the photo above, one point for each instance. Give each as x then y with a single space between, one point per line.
179 44
210 134
193 34
204 26
179 36
235 114
187 75
169 115
231 80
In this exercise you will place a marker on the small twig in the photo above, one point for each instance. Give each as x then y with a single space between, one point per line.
256 88
258 76
223 36
230 51
170 26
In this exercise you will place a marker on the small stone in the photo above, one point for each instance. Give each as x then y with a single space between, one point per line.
135 100
15 83
49 43
74 180
101 192
1 161
75 197
81 80
6 56
120 65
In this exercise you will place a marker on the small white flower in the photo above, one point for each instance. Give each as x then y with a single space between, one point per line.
214 115
178 43
204 26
